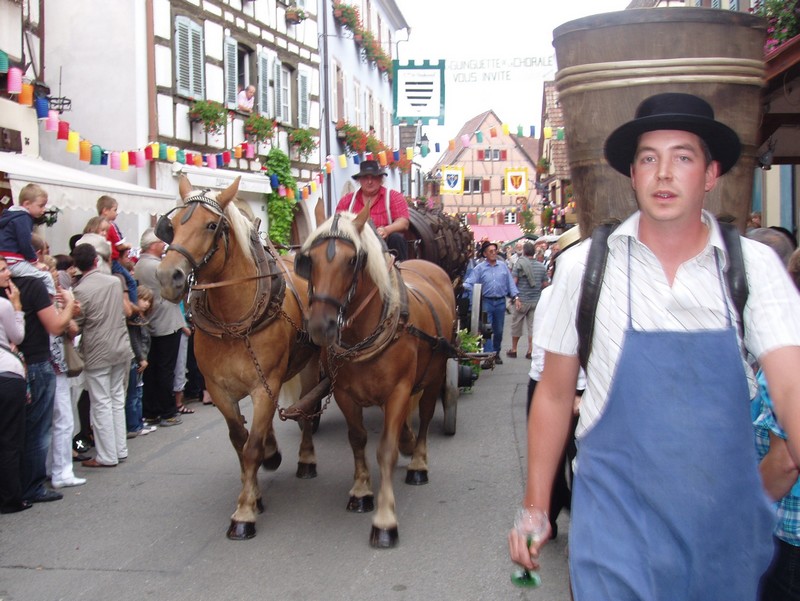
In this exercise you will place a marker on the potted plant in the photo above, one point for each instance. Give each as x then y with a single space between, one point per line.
211 114
259 128
543 165
295 15
347 15
303 140
353 137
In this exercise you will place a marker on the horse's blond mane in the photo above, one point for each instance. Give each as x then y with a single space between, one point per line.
367 242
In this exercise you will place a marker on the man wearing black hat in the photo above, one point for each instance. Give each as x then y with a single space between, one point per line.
497 284
667 500
388 208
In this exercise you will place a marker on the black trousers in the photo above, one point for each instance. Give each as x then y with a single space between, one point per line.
397 243
158 401
12 437
561 497
195 383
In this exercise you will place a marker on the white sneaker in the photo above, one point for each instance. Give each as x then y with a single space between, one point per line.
147 429
74 481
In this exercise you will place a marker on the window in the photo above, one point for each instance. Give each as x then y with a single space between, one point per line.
264 104
339 100
303 98
510 218
369 111
356 104
472 185
734 5
491 154
283 93
189 62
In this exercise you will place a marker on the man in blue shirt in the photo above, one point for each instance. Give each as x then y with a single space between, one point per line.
497 284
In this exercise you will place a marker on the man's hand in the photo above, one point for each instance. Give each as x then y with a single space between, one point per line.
382 232
142 366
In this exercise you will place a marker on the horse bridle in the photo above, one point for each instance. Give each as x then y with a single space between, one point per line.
165 232
302 267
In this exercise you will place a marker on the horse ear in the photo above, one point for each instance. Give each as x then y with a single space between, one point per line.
361 218
184 187
229 193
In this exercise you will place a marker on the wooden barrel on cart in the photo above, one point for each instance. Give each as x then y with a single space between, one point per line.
609 63
441 239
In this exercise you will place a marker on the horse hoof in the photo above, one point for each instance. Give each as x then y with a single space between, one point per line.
259 506
417 477
361 504
272 463
383 538
306 471
241 530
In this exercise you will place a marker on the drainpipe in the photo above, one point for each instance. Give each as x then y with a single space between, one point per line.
152 117
326 121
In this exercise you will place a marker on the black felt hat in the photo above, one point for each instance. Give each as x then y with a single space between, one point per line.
673 111
486 245
369 168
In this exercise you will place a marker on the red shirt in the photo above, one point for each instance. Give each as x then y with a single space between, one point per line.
114 237
397 205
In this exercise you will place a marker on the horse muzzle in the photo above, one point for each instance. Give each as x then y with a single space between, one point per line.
174 283
323 326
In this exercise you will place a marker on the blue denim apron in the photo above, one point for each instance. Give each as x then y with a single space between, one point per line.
667 501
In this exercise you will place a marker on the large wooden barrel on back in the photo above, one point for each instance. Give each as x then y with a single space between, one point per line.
442 239
609 63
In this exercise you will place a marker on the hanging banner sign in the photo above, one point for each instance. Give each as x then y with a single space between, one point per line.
418 92
452 180
516 181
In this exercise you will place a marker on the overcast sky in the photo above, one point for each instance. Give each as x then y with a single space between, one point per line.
498 54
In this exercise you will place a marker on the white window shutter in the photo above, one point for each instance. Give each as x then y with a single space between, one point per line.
263 85
303 101
231 76
345 98
183 66
277 69
198 63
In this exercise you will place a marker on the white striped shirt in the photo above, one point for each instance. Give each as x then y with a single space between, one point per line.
693 302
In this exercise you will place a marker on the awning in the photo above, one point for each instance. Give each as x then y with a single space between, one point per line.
219 179
69 188
496 233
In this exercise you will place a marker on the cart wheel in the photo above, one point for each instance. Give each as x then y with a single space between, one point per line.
450 397
475 315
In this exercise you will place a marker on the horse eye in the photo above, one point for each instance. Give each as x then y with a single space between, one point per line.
352 260
211 227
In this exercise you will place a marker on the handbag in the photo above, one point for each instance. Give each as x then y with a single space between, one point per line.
73 359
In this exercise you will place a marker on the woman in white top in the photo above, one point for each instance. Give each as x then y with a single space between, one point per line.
12 395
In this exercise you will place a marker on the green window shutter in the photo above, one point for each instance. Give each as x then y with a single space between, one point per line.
183 65
303 100
196 56
189 62
277 69
231 76
263 85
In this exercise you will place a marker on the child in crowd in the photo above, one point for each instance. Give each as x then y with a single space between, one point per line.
140 343
16 229
107 208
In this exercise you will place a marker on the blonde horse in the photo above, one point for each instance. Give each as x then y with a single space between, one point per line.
386 333
248 337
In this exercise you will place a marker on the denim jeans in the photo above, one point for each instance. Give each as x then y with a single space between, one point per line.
116 267
782 580
496 314
133 400
38 428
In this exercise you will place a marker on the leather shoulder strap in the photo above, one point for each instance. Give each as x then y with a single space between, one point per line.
590 289
735 274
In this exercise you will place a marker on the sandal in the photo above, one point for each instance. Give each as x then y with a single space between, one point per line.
185 410
512 354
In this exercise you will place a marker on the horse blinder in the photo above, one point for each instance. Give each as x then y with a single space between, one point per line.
164 230
302 266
